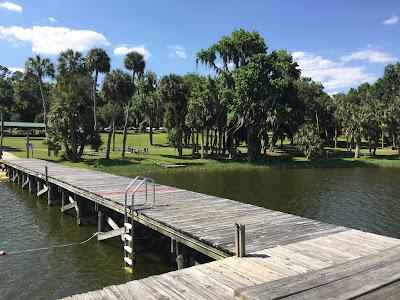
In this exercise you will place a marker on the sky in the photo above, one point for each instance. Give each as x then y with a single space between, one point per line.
338 43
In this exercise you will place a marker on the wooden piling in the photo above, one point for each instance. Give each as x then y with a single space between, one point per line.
50 194
240 240
31 184
79 210
100 221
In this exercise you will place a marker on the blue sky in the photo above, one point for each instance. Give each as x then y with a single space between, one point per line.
339 43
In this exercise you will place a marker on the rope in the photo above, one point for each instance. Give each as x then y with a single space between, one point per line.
53 247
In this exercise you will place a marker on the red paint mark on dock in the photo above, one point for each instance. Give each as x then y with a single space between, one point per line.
138 191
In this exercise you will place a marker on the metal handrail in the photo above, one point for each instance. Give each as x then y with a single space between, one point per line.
147 179
143 180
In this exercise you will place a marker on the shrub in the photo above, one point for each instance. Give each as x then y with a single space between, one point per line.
172 138
308 141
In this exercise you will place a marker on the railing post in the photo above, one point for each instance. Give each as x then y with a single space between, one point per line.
240 240
46 172
27 146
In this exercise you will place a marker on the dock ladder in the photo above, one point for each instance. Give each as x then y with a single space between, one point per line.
130 209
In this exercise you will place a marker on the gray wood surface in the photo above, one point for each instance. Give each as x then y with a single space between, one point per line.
344 281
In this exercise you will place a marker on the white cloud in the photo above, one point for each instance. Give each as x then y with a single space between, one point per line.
51 19
370 55
392 20
177 50
52 40
333 75
123 50
230 65
15 69
11 6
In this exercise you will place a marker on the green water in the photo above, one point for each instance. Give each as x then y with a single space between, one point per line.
366 199
27 222
363 198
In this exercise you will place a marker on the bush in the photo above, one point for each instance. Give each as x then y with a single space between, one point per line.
308 141
172 138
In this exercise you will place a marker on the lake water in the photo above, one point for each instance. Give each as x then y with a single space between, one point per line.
361 198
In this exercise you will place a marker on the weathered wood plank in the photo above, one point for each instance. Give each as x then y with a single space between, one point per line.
383 267
110 234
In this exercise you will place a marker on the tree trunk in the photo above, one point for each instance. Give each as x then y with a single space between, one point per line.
110 133
151 134
253 144
74 142
179 141
274 139
220 137
317 119
202 144
398 145
376 142
369 145
80 153
125 128
223 142
351 142
197 141
178 133
113 136
383 140
207 141
44 112
326 137
336 135
358 146
94 101
193 145
229 144
2 129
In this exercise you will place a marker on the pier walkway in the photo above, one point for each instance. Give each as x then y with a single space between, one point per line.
278 246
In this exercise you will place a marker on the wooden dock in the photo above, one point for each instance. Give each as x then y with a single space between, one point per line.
281 249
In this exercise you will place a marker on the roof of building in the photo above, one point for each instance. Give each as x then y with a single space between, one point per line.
24 125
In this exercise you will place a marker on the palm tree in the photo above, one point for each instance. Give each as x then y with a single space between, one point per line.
172 91
117 87
70 64
40 68
97 61
134 61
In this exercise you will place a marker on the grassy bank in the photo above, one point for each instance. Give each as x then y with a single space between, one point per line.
161 154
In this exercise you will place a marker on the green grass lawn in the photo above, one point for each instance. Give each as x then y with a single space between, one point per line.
160 153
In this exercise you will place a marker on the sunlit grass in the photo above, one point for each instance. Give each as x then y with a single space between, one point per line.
161 154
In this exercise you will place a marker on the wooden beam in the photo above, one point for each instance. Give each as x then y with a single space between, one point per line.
42 191
15 175
110 234
111 222
26 182
68 207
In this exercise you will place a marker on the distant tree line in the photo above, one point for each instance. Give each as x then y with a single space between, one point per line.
255 96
